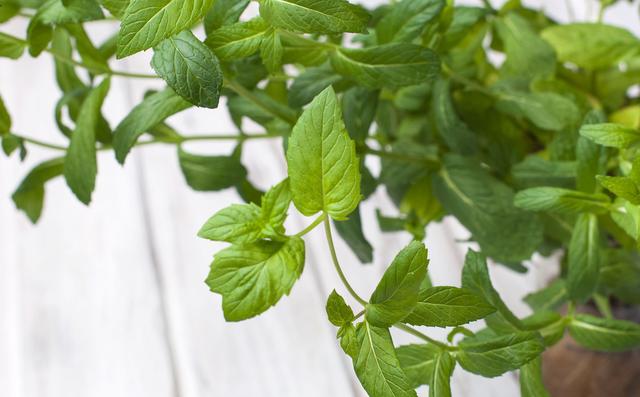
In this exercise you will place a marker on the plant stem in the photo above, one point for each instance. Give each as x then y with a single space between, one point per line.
312 226
336 264
420 335
430 163
40 143
242 91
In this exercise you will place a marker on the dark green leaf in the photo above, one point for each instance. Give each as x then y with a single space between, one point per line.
584 258
448 307
562 201
210 173
351 231
29 196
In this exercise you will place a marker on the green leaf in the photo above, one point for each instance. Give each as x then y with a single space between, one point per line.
5 119
397 292
224 12
80 164
351 232
310 83
359 107
389 65
622 186
349 340
611 135
627 216
455 133
561 201
475 277
237 41
148 22
417 362
154 109
275 204
338 311
448 307
531 384
440 383
115 7
485 206
10 47
189 68
546 110
211 173
536 171
495 355
407 19
271 51
323 167
314 16
29 195
549 298
584 258
591 45
604 334
253 277
377 364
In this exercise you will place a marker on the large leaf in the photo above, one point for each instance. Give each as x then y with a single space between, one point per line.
253 277
10 47
584 258
440 383
397 292
237 41
148 22
531 384
417 362
80 165
210 173
562 201
314 16
323 166
407 19
448 307
611 135
604 334
190 68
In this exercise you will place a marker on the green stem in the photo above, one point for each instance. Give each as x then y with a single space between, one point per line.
244 137
40 143
422 336
110 72
336 264
312 226
244 92
429 163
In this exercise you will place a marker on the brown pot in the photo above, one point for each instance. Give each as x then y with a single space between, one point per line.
570 370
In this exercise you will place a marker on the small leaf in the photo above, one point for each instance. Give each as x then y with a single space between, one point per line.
417 362
80 165
531 384
5 119
275 204
359 107
377 364
440 383
148 22
253 277
536 171
211 173
271 51
549 298
311 83
313 16
407 19
10 47
190 68
561 201
237 41
323 167
584 258
29 195
224 12
611 135
448 307
238 223
455 133
339 312
604 334
546 110
397 292
622 186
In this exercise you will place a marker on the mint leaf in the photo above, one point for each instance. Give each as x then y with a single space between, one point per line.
323 167
604 334
455 133
584 258
5 119
210 173
338 311
351 232
417 361
627 216
238 223
10 47
397 292
407 19
154 109
390 65
546 110
237 41
531 384
622 186
224 12
80 165
611 135
29 195
189 68
495 355
314 16
536 171
275 204
440 383
310 83
359 107
549 298
377 364
561 201
448 307
115 7
253 277
147 22
271 51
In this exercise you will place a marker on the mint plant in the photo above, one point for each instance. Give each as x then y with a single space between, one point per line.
535 153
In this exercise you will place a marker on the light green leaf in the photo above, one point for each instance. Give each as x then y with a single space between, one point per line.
189 68
622 186
591 45
271 51
495 355
407 19
584 258
115 7
314 16
10 47
29 195
561 201
440 383
148 22
627 216
393 65
531 384
485 206
604 334
238 223
5 119
377 364
239 40
417 362
448 307
397 292
611 135
351 232
211 173
224 12
151 111
546 110
455 133
338 311
253 277
80 165
323 167
275 204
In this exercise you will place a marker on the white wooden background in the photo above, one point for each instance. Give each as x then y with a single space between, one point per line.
109 300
